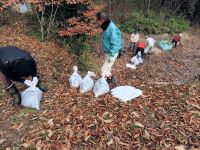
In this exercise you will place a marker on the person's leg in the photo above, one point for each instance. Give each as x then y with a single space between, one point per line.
146 50
137 50
5 81
11 89
107 67
176 44
142 52
131 46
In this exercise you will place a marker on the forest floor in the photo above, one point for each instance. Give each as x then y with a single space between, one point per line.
165 117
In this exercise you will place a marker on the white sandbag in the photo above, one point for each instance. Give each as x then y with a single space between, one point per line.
32 96
75 79
87 83
131 66
101 87
139 54
135 61
125 93
140 60
23 8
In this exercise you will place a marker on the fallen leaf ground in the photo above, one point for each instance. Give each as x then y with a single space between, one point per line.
166 117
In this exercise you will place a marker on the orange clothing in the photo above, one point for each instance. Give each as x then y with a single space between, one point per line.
140 45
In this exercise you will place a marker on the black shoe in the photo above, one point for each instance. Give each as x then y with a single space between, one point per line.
114 79
13 91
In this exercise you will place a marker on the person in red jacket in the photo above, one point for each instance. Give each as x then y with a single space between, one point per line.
177 38
140 48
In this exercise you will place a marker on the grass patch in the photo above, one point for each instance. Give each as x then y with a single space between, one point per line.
28 110
34 32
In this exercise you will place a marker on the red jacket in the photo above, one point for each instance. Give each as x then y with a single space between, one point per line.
140 45
177 38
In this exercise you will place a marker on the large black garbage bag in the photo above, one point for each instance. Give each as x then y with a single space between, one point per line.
16 63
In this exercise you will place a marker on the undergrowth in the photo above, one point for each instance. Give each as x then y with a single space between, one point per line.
82 48
154 23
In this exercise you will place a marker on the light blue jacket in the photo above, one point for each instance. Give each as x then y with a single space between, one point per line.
112 40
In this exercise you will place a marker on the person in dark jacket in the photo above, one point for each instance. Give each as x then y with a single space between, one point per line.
16 65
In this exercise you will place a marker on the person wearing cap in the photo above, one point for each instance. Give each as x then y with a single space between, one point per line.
16 65
149 44
134 39
111 44
177 38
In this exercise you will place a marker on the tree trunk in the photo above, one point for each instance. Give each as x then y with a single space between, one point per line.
148 7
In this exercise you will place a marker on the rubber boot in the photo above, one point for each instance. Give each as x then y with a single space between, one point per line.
13 91
112 79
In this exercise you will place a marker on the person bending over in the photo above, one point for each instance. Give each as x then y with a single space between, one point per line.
16 65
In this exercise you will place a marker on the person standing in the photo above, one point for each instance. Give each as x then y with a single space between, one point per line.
16 65
134 39
111 44
177 39
150 42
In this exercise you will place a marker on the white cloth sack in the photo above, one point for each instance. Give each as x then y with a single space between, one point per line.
131 66
32 96
87 83
75 79
140 60
101 87
135 61
23 8
125 93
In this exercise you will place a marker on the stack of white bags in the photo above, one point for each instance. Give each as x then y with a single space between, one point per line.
87 84
135 61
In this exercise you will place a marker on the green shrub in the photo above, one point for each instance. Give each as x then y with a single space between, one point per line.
81 47
154 24
177 24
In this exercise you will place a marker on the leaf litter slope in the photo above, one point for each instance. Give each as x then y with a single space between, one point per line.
165 117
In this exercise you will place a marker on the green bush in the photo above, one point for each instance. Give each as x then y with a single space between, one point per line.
177 24
81 47
154 24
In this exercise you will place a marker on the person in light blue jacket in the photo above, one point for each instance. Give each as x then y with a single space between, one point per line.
111 44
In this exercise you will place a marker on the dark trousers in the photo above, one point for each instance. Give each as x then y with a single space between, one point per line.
133 46
139 50
174 42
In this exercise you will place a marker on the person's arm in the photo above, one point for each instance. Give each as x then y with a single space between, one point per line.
132 37
115 42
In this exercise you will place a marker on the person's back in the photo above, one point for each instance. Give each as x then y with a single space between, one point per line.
150 41
140 45
177 38
135 37
16 63
111 39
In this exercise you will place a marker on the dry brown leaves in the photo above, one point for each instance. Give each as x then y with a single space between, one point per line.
165 117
